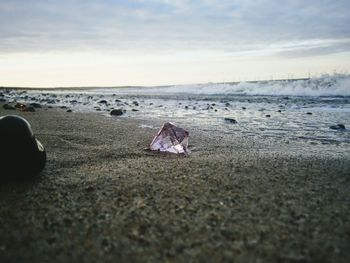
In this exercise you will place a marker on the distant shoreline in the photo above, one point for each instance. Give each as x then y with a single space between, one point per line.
146 86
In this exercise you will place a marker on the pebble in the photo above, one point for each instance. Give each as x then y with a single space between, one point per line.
116 112
35 105
337 127
28 109
230 120
8 107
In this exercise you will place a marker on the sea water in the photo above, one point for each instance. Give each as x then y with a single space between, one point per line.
300 110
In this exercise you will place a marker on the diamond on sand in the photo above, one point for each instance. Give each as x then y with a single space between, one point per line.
171 139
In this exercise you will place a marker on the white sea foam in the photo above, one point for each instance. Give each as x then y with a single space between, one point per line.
326 85
338 85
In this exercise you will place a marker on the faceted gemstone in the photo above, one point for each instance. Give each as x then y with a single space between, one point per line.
171 139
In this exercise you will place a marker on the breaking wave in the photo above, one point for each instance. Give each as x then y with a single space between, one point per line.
326 85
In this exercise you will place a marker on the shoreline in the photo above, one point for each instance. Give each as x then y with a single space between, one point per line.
102 197
148 86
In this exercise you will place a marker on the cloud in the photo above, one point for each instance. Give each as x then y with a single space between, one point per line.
169 26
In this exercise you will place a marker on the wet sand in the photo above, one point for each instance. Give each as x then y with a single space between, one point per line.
103 198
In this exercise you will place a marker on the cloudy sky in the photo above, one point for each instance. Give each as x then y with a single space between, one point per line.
48 43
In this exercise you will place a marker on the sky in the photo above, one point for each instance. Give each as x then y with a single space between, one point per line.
66 43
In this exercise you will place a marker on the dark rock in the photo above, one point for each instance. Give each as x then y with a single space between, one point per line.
8 107
309 113
69 110
22 156
20 106
2 100
244 108
267 115
227 104
97 109
117 100
28 109
117 112
2 94
63 107
73 101
134 110
279 111
35 105
103 102
230 120
135 103
286 98
186 107
337 127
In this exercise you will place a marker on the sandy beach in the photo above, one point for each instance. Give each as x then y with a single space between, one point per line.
103 198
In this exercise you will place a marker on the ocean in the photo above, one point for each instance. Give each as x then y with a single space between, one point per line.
291 110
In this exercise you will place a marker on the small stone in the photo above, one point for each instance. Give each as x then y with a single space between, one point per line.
102 102
20 106
134 110
309 113
8 107
35 105
29 109
244 108
267 115
230 120
116 112
69 110
337 127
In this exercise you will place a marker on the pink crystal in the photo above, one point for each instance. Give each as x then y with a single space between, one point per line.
171 139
